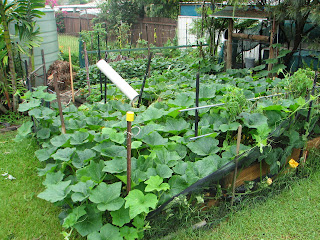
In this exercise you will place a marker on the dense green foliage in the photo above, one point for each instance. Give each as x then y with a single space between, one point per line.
86 167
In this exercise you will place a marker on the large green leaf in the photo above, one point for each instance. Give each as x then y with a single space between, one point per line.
253 120
53 178
177 185
89 223
91 172
204 146
60 140
29 105
43 133
45 153
120 217
176 125
74 216
154 139
25 128
116 165
111 150
107 196
81 190
114 135
206 166
78 138
129 233
155 183
80 158
107 232
182 100
63 154
164 171
138 203
152 113
55 192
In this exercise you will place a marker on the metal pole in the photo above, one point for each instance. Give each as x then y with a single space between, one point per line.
71 75
196 119
144 79
55 82
221 104
129 118
105 82
236 164
87 65
45 80
28 83
99 57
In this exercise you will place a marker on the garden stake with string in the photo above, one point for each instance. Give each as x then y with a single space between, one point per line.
45 79
71 75
144 80
196 119
55 82
129 118
87 65
236 164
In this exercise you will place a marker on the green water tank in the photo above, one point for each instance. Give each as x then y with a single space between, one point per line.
50 46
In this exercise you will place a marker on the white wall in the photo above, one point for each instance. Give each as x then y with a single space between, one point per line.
185 23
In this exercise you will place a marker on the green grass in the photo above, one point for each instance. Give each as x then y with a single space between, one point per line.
66 41
22 214
291 214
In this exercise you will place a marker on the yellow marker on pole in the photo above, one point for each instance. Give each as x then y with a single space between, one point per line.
129 118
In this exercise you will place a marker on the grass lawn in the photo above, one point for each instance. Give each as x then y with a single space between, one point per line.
66 41
23 215
292 214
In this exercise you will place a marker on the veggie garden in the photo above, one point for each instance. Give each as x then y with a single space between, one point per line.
174 151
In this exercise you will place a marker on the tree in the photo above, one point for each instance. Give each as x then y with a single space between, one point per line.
300 12
22 12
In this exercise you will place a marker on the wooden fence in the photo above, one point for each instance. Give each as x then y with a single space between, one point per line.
74 23
156 31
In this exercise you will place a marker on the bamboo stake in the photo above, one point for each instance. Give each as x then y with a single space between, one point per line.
236 164
55 82
71 75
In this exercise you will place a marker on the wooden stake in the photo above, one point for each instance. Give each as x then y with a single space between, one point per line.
129 118
71 75
87 66
236 164
55 82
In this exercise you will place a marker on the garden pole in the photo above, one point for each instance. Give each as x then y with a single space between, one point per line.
236 164
105 81
196 119
71 75
87 65
99 57
129 118
45 81
55 82
28 83
144 80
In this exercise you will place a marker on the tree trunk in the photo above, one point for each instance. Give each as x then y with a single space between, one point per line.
297 38
7 40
